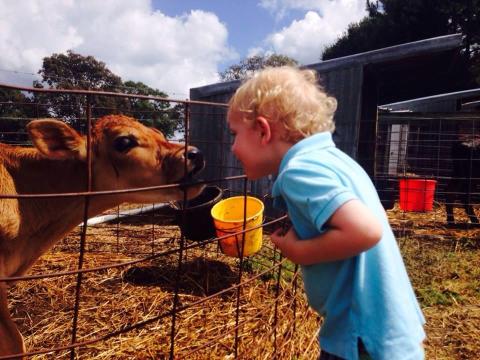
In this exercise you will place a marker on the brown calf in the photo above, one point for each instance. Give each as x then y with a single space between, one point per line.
125 154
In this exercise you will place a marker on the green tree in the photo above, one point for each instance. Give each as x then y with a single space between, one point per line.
390 22
156 113
464 17
393 22
72 71
15 110
248 66
75 71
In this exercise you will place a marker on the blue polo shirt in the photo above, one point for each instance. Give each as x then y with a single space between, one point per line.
368 296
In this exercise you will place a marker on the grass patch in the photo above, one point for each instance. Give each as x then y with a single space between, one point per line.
431 297
444 267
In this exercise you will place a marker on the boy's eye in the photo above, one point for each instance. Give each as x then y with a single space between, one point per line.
233 133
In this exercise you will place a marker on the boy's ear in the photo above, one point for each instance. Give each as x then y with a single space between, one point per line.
265 129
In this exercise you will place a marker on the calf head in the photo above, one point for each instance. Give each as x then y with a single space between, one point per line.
125 154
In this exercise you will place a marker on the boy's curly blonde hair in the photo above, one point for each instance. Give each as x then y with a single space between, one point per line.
288 95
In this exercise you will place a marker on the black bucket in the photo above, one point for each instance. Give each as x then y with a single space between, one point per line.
198 223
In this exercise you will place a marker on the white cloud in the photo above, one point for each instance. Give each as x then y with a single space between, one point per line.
323 23
280 7
135 41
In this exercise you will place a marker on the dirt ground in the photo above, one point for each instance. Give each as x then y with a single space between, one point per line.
215 320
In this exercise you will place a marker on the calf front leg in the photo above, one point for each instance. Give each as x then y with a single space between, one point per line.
11 341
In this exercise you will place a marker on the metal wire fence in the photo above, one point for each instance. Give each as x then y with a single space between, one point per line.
150 236
211 305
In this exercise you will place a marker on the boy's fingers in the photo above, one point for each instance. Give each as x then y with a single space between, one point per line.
277 236
277 232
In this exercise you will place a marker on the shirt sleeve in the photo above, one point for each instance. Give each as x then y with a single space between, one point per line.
316 192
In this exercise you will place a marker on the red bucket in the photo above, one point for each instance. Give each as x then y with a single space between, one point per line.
417 194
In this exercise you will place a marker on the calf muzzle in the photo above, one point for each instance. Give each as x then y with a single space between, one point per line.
196 157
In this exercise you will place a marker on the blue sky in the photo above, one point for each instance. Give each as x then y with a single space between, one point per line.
171 45
248 23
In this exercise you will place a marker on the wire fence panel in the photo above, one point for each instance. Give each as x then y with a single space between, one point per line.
130 284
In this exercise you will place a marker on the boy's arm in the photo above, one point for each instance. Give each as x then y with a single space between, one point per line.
351 229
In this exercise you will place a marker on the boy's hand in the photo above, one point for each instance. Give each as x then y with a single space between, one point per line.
286 241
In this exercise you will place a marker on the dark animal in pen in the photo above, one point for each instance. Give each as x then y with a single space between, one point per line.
465 177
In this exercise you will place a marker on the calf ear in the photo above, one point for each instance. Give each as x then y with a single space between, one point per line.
57 140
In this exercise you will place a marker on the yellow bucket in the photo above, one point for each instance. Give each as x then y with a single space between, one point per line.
228 217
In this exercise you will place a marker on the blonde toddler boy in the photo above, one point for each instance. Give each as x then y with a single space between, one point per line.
352 268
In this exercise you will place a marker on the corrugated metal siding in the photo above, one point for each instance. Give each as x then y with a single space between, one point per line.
448 105
438 103
342 78
345 85
209 132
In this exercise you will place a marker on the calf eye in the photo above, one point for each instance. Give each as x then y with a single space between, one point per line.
124 143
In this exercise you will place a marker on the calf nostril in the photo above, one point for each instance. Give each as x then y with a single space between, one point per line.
196 157
192 154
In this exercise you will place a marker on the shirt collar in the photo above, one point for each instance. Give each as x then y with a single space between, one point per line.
315 142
